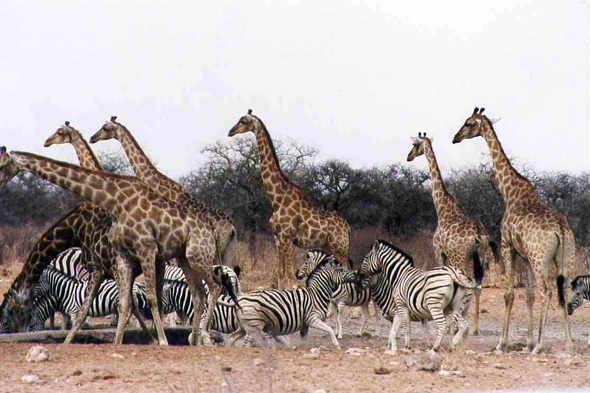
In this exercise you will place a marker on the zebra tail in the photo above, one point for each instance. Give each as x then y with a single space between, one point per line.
227 284
560 293
477 269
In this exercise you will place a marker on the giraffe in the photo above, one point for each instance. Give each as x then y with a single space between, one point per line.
539 234
147 229
294 221
163 185
457 238
96 248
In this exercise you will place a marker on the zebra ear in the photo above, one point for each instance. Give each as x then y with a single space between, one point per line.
237 270
574 284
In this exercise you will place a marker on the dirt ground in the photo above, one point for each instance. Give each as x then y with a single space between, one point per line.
93 368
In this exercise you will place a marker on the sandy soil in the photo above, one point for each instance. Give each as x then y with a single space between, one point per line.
92 368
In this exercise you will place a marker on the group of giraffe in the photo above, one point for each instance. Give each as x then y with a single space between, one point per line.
135 224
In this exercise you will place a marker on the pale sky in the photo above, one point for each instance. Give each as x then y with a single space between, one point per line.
354 81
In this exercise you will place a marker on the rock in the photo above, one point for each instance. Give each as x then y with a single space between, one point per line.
470 352
354 351
542 360
258 361
117 356
572 361
391 352
444 373
320 391
499 366
227 369
382 371
413 362
314 351
311 356
37 354
76 373
430 361
30 379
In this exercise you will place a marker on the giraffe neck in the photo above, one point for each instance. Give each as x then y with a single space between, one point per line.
514 187
440 196
146 171
276 183
106 190
85 154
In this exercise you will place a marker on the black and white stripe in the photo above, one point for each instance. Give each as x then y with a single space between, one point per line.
579 291
280 312
418 294
70 263
57 291
347 294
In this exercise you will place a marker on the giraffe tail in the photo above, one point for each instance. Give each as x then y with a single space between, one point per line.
477 269
560 292
494 248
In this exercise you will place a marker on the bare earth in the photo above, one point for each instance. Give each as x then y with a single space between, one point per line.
92 368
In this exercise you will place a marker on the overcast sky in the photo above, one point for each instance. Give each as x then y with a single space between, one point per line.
354 81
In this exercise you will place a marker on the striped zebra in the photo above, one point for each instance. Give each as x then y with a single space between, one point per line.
420 294
280 312
580 290
176 297
347 294
70 263
57 291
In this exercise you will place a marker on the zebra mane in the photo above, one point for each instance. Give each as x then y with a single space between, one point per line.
319 268
389 245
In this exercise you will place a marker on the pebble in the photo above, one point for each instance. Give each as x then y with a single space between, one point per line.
30 379
542 360
572 361
470 352
354 351
320 391
391 352
37 354
499 366
117 356
258 362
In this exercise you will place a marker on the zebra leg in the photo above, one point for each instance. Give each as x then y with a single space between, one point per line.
397 320
316 323
233 337
91 292
284 340
172 320
331 308
66 321
339 308
438 315
461 333
52 322
424 324
366 315
407 325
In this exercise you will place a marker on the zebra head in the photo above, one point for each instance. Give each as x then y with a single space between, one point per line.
222 272
329 273
372 264
580 289
314 258
6 322
15 313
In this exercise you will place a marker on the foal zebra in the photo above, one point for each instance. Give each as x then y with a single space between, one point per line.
580 290
279 312
57 291
419 294
346 294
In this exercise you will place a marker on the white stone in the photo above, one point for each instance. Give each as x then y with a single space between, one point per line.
542 360
470 352
258 362
315 351
320 391
444 373
499 366
117 356
391 352
311 356
37 354
30 379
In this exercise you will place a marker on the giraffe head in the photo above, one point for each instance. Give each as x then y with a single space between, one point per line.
8 168
110 130
247 123
64 134
473 126
418 146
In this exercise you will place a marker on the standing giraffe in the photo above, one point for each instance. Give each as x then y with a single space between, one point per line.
294 221
540 235
95 245
147 229
457 238
163 185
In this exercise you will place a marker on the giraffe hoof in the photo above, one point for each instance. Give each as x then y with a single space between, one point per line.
476 332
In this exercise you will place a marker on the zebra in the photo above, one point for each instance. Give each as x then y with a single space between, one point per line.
180 303
346 294
70 263
420 294
57 291
580 290
280 312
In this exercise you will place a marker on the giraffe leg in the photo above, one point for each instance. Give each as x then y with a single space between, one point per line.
546 295
91 292
125 279
477 295
193 279
508 257
529 301
286 261
150 271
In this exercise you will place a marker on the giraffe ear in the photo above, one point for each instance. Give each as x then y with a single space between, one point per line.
249 111
3 150
67 122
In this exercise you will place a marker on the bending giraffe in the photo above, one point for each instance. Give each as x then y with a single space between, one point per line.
294 221
539 234
457 239
163 185
147 229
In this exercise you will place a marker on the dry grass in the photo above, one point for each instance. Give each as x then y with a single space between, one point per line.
17 242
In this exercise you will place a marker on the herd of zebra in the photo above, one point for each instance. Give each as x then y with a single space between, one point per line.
401 293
